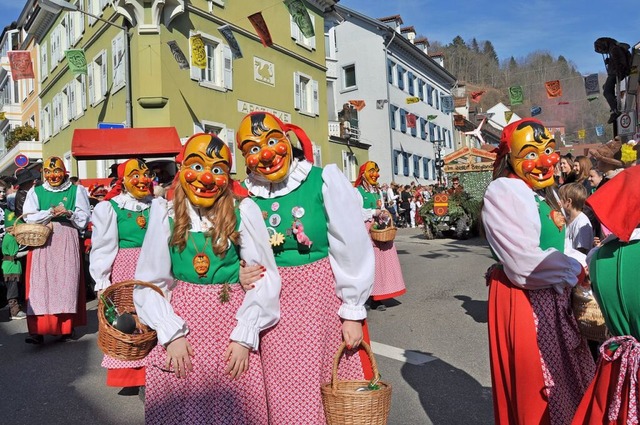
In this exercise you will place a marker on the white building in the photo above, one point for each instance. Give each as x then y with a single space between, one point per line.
10 100
379 62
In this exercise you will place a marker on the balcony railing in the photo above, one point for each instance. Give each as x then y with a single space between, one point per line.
344 130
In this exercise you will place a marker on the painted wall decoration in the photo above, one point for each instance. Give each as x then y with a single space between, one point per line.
264 71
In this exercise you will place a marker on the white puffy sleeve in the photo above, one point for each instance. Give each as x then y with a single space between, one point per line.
82 211
31 209
154 266
350 251
512 224
261 306
104 244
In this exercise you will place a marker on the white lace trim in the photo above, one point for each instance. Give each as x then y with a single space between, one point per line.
64 186
298 173
128 202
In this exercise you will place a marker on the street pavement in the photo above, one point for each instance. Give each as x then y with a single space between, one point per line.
430 344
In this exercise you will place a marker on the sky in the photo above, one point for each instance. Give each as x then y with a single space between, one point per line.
517 28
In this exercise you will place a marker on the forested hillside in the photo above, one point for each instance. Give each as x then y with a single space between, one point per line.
476 65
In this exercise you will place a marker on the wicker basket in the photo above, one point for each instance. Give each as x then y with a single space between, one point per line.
384 235
587 312
31 234
117 344
343 405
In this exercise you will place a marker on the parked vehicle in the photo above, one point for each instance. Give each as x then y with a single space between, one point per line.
458 219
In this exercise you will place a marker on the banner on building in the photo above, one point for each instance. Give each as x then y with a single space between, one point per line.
3 116
178 55
21 65
516 96
507 116
536 110
554 89
77 61
433 117
261 28
447 104
411 121
599 130
412 99
476 96
227 33
582 134
358 104
198 53
380 103
300 16
591 84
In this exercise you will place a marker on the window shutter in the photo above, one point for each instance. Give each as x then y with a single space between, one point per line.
228 67
44 64
71 105
390 71
345 164
231 142
83 92
395 162
405 163
295 31
54 52
423 131
90 75
71 32
392 112
316 103
90 6
410 83
114 59
103 72
416 166
403 120
296 91
80 21
312 40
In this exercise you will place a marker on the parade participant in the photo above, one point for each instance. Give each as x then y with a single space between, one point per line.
540 365
119 226
388 282
11 266
55 293
325 258
612 396
205 368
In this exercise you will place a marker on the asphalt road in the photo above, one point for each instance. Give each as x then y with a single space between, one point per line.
430 344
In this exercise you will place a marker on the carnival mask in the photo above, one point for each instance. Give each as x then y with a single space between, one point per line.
54 171
137 178
266 149
204 172
533 155
371 173
201 264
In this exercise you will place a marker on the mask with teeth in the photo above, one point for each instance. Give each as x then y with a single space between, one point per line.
532 156
54 171
204 170
266 149
137 178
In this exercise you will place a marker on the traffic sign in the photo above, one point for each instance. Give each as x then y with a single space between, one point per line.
109 125
21 160
627 123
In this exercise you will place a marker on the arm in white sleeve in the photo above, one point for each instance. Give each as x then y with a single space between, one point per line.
104 244
31 209
82 212
261 306
154 266
512 224
350 251
367 213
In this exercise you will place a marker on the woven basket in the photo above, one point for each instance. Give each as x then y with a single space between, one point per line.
117 344
31 234
587 312
343 405
384 235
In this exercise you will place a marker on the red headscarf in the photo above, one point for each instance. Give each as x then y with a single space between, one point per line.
363 168
117 188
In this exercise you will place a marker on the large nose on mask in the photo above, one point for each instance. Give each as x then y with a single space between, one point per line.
266 155
206 178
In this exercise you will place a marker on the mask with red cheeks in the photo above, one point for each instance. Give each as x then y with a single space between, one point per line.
137 178
533 155
54 171
204 172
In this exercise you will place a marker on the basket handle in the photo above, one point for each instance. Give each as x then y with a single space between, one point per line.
336 362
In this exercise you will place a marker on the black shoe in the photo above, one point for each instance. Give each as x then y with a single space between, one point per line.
34 339
66 337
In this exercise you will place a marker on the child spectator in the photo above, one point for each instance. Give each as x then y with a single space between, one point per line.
579 231
413 207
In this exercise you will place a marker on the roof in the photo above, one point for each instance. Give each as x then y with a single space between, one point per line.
420 40
125 143
407 29
391 18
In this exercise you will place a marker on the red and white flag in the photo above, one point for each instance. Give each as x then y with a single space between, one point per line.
21 65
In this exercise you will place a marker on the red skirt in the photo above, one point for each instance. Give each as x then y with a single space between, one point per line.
297 353
207 395
540 365
121 373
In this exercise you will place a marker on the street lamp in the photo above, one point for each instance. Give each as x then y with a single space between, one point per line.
57 6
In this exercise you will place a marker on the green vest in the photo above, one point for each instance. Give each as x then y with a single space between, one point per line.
370 200
130 234
48 199
614 279
221 270
550 235
279 218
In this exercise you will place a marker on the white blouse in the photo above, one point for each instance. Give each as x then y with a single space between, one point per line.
261 306
79 216
104 236
512 225
350 251
368 213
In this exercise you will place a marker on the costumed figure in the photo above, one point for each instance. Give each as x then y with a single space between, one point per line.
54 291
612 397
388 282
205 368
119 225
540 364
326 262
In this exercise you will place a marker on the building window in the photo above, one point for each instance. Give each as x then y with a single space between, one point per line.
426 168
396 154
117 62
405 163
97 74
45 122
305 94
416 166
44 63
317 155
349 165
76 24
421 89
218 73
300 39
432 129
401 73
390 66
429 95
437 96
410 83
349 77
423 129
77 97
403 120
392 112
